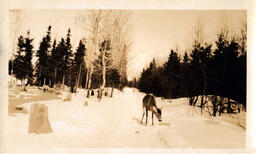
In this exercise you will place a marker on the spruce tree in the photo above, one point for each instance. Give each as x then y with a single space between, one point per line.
172 67
242 64
146 83
10 66
78 65
186 74
28 58
19 69
67 59
185 58
58 57
53 63
42 67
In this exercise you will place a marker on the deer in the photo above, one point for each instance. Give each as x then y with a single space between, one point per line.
149 104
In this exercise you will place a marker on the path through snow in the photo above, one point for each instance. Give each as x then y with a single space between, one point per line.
115 123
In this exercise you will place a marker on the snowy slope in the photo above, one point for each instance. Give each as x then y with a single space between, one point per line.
115 123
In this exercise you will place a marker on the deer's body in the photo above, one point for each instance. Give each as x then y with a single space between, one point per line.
149 104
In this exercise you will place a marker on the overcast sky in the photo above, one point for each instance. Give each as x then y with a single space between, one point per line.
154 32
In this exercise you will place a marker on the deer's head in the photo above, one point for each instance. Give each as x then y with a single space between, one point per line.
158 114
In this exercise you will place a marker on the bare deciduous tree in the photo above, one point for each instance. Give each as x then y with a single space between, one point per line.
15 24
94 28
243 38
103 25
121 40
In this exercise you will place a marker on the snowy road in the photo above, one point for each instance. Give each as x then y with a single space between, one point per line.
115 123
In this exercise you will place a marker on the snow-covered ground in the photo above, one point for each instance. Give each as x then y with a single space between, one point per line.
115 123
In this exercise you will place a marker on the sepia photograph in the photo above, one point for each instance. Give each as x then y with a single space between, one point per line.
129 77
126 79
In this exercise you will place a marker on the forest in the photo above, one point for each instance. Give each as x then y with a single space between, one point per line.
99 60
207 71
211 71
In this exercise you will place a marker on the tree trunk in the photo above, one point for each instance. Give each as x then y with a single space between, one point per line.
50 82
39 80
104 77
87 78
44 80
78 78
69 75
112 92
195 101
63 80
202 103
11 75
204 89
191 100
76 83
89 83
103 69
220 105
229 106
28 80
40 77
55 75
214 106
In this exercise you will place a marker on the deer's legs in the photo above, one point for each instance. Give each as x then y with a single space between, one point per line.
142 117
152 118
144 110
146 116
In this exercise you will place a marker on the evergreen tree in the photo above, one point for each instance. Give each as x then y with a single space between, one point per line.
42 67
10 67
162 81
113 78
67 59
28 57
186 74
230 66
172 67
19 60
218 71
58 56
241 78
199 65
146 83
185 58
242 64
78 65
54 62
206 74
196 75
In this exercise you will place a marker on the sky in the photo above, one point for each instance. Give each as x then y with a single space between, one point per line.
153 33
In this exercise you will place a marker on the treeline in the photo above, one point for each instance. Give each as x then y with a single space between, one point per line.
98 61
58 65
208 69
